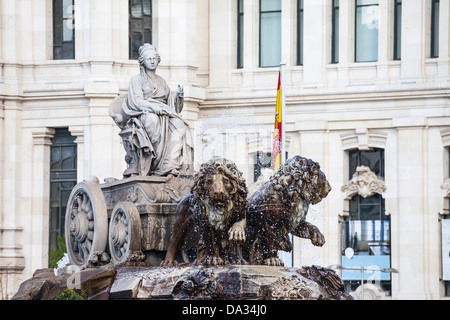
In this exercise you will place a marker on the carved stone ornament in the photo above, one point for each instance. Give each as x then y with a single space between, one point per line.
446 187
364 183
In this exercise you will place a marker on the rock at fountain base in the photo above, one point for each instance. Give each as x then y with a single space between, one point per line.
233 282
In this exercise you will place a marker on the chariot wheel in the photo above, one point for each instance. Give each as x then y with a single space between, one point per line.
86 223
124 232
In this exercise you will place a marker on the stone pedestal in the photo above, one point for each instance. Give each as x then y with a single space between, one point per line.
232 282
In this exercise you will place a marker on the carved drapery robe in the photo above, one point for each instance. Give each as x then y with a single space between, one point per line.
164 142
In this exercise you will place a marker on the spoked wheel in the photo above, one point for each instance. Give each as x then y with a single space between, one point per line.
86 224
125 233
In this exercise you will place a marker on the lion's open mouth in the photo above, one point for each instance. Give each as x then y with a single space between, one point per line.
219 204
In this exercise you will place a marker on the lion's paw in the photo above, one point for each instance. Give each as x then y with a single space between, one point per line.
210 261
274 262
169 263
317 238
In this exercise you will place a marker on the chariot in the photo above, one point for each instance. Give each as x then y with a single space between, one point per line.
127 220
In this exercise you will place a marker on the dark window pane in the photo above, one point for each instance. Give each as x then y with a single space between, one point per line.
147 36
240 34
398 30
300 32
65 197
370 212
147 7
262 160
68 50
374 159
375 199
353 162
136 8
136 42
63 30
140 25
435 29
335 32
354 209
55 157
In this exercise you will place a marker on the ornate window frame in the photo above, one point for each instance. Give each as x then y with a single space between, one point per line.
363 182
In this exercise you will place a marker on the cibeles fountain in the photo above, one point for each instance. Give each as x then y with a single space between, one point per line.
165 231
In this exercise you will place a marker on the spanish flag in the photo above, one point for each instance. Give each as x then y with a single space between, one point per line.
276 151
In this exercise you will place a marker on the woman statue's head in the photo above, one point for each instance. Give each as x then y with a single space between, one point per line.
149 58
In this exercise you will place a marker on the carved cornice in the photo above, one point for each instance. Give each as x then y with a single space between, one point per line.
364 139
43 136
445 134
364 183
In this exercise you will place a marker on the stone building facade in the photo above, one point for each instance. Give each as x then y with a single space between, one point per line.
367 84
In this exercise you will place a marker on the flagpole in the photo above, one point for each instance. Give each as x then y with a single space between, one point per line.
289 258
283 113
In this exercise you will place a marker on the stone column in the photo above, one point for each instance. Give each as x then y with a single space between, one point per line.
251 41
100 142
220 46
346 38
40 199
288 33
314 48
78 132
409 222
413 45
11 230
384 40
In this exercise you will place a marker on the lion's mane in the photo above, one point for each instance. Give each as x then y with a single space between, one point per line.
300 178
230 170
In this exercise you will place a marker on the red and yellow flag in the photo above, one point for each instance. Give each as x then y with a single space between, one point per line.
276 151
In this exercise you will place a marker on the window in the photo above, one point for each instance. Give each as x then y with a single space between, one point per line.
63 30
434 28
269 33
335 32
240 34
366 231
300 32
140 25
262 160
398 29
63 177
366 31
374 159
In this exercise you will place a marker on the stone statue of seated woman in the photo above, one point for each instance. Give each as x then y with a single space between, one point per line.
156 139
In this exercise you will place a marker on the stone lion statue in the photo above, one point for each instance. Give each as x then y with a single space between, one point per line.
280 206
212 216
